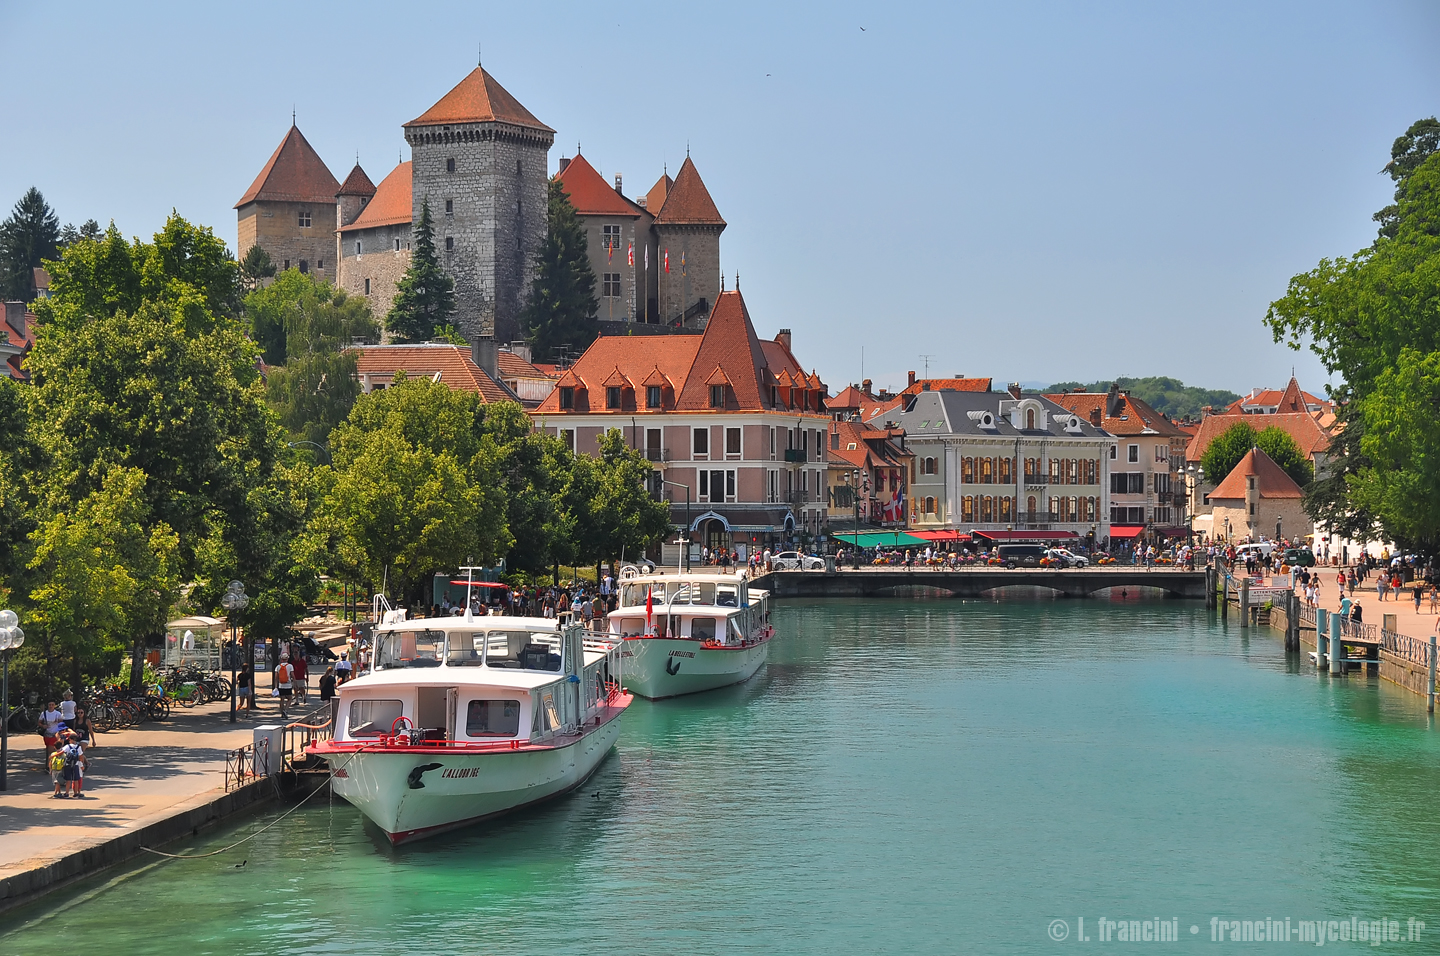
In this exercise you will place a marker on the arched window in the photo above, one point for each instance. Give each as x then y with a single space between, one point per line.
929 466
967 508
1030 419
1007 470
1054 504
987 508
967 471
987 471
1007 508
929 506
1030 504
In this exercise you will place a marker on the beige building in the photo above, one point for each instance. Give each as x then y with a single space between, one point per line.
374 243
289 210
1258 500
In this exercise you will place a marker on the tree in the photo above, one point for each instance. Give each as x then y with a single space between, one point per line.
254 267
1226 449
560 314
425 299
1374 320
1407 154
613 513
89 231
1282 449
29 237
1168 396
534 468
416 489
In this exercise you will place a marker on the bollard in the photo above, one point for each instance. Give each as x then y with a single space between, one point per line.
1322 639
1245 603
1224 596
1430 696
1337 647
1292 622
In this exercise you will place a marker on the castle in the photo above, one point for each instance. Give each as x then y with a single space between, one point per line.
480 160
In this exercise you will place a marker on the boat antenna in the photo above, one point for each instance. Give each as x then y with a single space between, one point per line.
469 583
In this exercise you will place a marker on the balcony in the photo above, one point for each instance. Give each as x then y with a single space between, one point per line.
1031 519
795 454
797 498
1035 479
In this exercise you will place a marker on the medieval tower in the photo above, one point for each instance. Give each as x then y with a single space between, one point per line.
480 160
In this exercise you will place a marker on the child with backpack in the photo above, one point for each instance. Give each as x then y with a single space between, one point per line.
56 762
74 767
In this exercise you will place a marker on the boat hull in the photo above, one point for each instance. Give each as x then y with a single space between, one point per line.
657 668
459 787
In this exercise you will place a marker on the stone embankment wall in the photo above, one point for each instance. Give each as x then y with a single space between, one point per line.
1397 670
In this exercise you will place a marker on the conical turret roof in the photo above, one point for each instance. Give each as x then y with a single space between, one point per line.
357 184
478 99
295 173
688 202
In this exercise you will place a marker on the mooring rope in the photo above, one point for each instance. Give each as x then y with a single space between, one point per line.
226 849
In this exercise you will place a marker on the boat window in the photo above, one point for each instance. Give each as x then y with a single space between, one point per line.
679 594
466 650
702 629
411 649
633 595
492 718
372 718
727 595
705 594
528 650
632 626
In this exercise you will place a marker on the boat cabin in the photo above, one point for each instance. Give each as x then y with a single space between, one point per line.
714 608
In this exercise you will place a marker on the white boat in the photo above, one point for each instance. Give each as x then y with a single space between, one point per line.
689 632
461 719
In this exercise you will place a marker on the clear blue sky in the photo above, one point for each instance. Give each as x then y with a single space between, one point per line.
1034 191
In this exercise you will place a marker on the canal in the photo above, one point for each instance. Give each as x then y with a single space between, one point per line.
907 775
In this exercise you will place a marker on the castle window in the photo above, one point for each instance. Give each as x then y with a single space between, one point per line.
305 219
397 245
304 266
287 263
610 238
612 396
449 165
449 206
367 286
449 243
611 285
357 247
652 396
320 265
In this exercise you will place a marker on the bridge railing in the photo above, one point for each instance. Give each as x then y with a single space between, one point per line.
1409 649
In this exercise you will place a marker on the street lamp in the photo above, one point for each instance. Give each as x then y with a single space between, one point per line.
11 637
684 538
233 600
325 449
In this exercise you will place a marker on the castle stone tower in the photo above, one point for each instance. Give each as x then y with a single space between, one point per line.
481 160
289 210
688 227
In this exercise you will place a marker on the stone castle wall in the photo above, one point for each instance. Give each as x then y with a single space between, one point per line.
275 227
378 261
700 277
496 221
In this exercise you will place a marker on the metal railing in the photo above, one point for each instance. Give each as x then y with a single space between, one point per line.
300 734
241 766
1307 615
1410 649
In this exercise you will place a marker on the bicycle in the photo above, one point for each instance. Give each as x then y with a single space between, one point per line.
21 721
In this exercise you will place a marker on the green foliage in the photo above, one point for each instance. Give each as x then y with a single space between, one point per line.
1374 320
1283 450
1406 155
534 468
425 299
30 236
449 333
613 512
1226 450
1168 396
560 314
254 267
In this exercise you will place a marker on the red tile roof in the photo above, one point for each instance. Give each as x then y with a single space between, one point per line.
655 198
478 99
452 362
391 205
357 184
511 366
1290 399
295 173
688 202
1273 481
637 357
873 446
730 343
948 384
590 194
1301 426
1132 417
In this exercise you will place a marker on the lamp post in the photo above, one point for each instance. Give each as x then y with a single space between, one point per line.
234 600
325 449
684 538
11 637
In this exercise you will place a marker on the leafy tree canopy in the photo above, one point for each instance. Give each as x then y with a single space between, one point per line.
425 299
560 313
1231 445
1168 396
254 267
29 237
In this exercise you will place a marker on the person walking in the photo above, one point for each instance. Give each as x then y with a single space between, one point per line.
51 720
245 687
74 757
327 692
67 708
301 680
82 726
56 762
1419 591
1382 584
284 684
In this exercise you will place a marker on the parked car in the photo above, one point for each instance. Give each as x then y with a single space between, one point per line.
1260 549
1020 555
1302 557
795 561
1067 559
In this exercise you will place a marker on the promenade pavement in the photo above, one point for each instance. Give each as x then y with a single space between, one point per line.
135 777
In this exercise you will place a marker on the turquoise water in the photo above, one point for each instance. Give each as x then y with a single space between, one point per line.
906 776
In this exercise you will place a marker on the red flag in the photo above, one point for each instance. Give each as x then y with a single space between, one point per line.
649 608
630 255
667 260
682 262
609 250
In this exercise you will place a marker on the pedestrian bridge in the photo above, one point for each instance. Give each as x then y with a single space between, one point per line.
973 582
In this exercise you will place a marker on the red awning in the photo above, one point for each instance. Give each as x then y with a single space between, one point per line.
1025 535
1125 531
941 535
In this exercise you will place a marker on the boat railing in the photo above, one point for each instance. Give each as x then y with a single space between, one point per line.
297 736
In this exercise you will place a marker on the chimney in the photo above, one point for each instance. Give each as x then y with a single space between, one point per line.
617 184
912 379
865 387
485 355
15 318
1095 417
784 338
521 349
1112 400
1014 389
564 161
925 385
641 200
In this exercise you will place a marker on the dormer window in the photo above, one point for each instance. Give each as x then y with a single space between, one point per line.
652 396
717 396
612 396
1029 419
774 396
567 397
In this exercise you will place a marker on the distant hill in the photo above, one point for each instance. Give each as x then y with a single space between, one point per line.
1166 395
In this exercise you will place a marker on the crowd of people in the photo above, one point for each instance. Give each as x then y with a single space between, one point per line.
65 728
